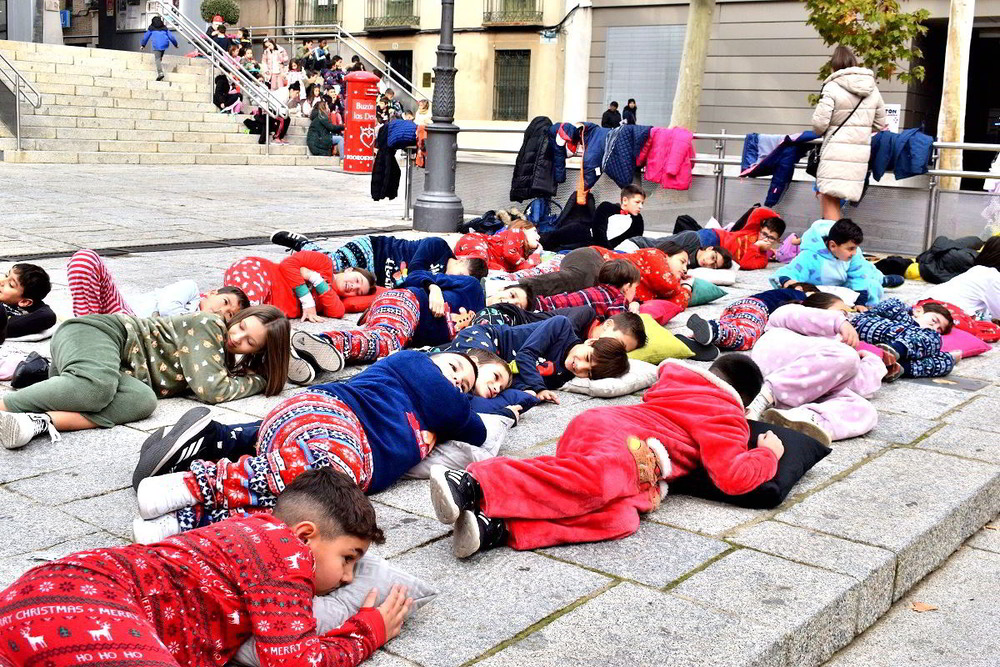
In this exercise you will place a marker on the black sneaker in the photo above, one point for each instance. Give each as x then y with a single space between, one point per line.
701 330
475 532
289 240
32 370
453 492
161 452
701 352
318 351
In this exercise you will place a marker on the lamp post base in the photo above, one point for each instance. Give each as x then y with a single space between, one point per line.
439 212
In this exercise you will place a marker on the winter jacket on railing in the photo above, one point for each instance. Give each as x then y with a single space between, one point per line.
668 156
533 167
622 151
779 163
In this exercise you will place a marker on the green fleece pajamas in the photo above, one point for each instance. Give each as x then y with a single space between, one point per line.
86 377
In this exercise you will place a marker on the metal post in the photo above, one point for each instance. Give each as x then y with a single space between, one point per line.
932 195
408 185
722 184
17 109
267 132
438 209
720 152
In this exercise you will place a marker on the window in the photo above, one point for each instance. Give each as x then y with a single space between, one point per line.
648 74
511 74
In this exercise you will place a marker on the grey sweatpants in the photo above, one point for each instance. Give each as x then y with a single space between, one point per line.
86 377
158 57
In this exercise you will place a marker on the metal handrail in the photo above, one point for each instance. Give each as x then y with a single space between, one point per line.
336 31
21 88
257 92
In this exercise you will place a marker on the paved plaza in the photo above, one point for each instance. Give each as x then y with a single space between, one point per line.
701 583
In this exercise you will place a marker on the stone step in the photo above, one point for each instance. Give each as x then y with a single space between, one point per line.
90 157
120 78
68 55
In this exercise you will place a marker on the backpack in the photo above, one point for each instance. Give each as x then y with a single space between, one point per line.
540 214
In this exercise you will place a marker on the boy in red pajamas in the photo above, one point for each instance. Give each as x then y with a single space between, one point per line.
510 250
751 245
195 598
612 464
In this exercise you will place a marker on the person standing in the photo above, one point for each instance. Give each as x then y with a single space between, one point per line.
611 117
273 64
628 113
849 109
162 38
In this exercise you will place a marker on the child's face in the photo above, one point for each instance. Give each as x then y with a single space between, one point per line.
840 305
336 559
493 378
532 238
607 329
769 235
580 359
629 290
457 369
351 283
247 336
633 204
678 263
927 320
709 258
512 295
843 251
11 290
226 305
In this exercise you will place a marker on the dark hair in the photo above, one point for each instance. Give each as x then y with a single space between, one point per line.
241 298
843 231
843 58
618 273
390 91
295 86
35 283
297 63
808 288
727 257
478 268
631 190
245 32
367 275
631 100
821 300
990 254
157 24
931 307
331 500
610 360
271 363
630 324
671 248
336 59
465 355
355 58
613 104
775 224
481 357
529 293
741 373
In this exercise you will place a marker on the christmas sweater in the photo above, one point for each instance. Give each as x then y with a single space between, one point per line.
655 279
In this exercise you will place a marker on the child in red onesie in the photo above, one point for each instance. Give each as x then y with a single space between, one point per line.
291 284
510 250
751 245
613 463
195 598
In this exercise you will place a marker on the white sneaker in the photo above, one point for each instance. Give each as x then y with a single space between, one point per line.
760 403
159 495
19 428
155 530
798 419
300 371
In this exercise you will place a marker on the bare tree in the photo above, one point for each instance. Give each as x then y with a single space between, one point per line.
687 97
951 117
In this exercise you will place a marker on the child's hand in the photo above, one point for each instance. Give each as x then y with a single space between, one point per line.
515 410
861 309
849 335
394 610
310 315
763 244
429 438
770 441
634 307
795 240
435 301
956 355
548 395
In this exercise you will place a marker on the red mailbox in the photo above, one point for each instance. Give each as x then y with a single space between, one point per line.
359 139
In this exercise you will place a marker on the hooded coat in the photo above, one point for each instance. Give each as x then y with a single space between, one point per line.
844 156
533 173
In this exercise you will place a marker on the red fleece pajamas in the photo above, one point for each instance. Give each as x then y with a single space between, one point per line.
656 280
605 472
503 251
281 285
190 600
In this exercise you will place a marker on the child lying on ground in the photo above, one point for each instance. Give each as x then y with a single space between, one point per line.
662 271
388 257
513 249
707 256
615 292
830 255
21 294
194 599
813 374
94 292
111 369
743 321
290 285
626 327
911 336
373 427
429 310
612 464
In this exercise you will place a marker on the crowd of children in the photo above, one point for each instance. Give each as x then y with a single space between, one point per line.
278 507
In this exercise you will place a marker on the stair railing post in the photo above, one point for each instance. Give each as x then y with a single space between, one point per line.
17 110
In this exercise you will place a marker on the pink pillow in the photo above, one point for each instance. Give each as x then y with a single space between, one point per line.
660 310
969 345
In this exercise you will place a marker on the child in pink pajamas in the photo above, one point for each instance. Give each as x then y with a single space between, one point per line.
815 381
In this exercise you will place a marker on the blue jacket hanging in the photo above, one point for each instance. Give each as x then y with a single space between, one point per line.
907 153
562 135
780 164
595 138
623 147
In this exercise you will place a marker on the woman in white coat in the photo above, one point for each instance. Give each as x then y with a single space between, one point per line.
849 109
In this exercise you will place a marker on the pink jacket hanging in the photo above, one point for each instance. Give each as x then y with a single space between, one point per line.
669 157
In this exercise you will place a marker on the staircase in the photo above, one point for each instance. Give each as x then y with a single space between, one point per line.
105 107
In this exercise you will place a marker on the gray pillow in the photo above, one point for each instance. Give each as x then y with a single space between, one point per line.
459 455
334 608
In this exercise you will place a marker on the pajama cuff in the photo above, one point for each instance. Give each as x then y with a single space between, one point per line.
301 290
321 287
901 350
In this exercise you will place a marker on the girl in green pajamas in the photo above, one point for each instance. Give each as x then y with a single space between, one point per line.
111 369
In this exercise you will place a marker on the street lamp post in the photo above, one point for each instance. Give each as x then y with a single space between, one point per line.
438 208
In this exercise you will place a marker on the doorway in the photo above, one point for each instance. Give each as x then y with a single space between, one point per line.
982 111
401 63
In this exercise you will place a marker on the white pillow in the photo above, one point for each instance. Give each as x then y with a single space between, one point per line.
640 375
846 294
333 609
459 455
714 276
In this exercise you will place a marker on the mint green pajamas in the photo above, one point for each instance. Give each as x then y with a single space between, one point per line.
86 376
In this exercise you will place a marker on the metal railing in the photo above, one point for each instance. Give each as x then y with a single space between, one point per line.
257 92
722 160
323 12
512 12
21 88
392 14
294 33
